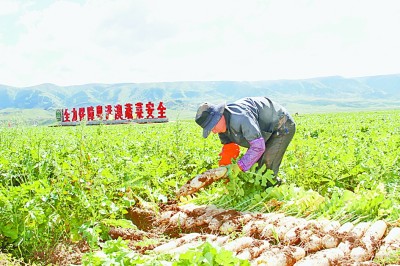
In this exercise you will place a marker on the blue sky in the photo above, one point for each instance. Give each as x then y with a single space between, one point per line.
71 42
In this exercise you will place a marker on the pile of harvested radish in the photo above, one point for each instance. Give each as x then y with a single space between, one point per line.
273 238
202 180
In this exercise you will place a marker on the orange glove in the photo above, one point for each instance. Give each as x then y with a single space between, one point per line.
229 151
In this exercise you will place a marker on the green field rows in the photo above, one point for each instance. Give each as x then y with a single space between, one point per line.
66 184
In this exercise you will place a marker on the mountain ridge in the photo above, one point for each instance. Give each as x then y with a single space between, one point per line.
381 91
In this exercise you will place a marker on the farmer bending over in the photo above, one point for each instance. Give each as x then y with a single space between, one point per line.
257 123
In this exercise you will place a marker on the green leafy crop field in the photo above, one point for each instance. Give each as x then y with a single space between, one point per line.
64 190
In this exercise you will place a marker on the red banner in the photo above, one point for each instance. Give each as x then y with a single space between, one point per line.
139 111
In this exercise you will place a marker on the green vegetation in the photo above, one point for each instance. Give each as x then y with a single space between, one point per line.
7 259
117 252
11 117
70 184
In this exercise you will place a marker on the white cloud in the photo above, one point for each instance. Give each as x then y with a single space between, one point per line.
8 7
75 42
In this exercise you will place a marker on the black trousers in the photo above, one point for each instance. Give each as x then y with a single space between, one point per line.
276 145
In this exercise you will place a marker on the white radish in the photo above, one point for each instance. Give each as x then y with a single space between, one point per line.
245 218
190 222
269 232
305 235
248 228
331 254
207 213
214 224
228 227
359 230
166 216
238 244
176 243
185 247
374 234
167 246
314 244
392 237
210 208
254 227
387 251
202 180
298 253
272 217
345 229
329 241
292 252
221 240
285 225
190 207
281 231
345 247
190 237
313 225
323 257
271 258
287 220
260 249
323 223
359 254
209 237
207 216
309 261
390 244
178 218
244 254
195 184
330 227
212 211
293 235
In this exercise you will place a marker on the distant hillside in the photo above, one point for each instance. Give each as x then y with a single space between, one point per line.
309 95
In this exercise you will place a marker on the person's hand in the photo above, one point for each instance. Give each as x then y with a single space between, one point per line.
229 151
233 170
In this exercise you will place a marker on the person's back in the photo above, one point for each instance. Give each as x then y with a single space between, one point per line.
265 111
257 123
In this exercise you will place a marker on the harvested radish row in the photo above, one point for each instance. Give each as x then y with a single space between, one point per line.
273 238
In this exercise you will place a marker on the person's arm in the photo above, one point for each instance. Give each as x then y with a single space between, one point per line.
253 154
